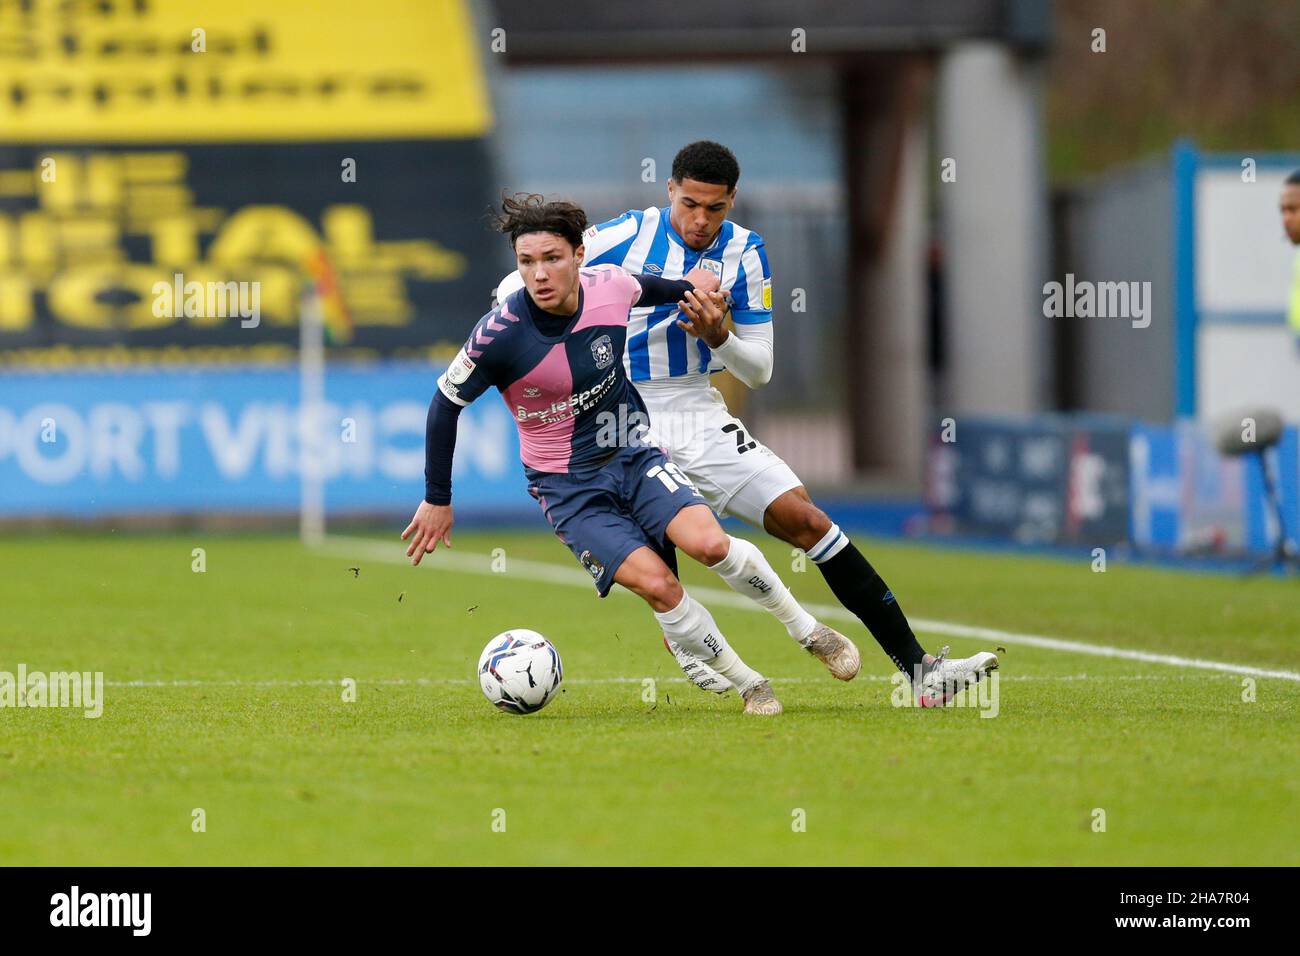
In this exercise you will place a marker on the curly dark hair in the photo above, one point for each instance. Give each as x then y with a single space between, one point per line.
530 212
707 162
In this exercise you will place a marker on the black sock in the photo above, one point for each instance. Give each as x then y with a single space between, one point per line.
860 589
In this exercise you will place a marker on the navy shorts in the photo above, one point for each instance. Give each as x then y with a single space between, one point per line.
604 516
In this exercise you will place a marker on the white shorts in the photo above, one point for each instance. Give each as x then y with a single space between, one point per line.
736 473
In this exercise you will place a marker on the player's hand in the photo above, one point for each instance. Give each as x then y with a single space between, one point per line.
706 315
431 524
703 280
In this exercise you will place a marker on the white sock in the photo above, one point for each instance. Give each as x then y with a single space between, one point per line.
692 626
831 544
747 572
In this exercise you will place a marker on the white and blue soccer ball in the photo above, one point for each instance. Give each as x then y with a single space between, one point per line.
520 671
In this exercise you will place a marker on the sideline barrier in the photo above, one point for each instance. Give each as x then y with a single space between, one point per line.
91 443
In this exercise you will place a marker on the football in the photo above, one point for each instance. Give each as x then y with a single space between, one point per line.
520 671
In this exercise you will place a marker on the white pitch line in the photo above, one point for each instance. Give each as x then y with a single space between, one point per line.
459 681
472 563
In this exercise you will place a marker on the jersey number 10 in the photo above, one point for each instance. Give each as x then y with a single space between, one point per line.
671 476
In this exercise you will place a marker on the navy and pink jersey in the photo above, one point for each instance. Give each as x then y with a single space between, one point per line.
561 388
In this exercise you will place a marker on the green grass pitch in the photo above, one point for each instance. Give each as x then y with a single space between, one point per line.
223 694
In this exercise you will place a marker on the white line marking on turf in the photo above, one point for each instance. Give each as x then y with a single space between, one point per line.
471 563
459 681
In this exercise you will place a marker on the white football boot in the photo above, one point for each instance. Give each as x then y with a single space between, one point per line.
943 679
697 672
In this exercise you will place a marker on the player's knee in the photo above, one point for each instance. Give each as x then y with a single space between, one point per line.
808 525
662 590
712 548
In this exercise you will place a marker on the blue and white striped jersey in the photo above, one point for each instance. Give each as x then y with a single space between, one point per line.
643 240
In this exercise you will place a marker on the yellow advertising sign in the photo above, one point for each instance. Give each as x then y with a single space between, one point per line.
231 70
71 249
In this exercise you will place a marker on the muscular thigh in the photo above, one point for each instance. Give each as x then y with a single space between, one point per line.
735 472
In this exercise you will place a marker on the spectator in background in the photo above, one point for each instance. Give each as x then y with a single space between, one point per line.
1290 205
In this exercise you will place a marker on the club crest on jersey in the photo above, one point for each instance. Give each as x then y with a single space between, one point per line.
531 391
713 265
460 368
602 350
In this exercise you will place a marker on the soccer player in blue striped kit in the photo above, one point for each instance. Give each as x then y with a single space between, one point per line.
670 355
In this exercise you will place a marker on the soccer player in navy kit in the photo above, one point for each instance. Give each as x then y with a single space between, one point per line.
554 350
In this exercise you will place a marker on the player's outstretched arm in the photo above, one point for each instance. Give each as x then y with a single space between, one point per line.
470 373
656 290
433 518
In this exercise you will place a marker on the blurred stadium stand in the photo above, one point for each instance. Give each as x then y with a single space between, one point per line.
922 297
